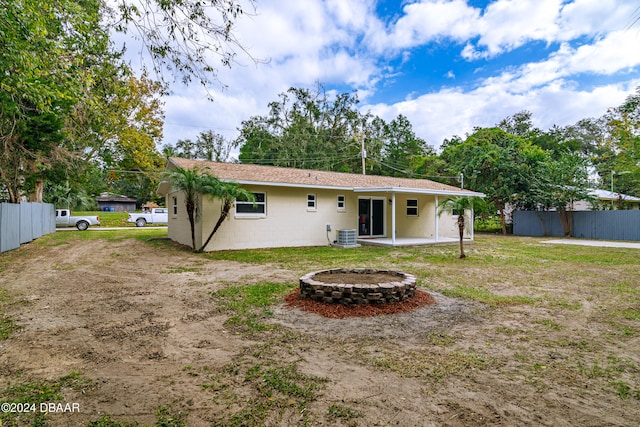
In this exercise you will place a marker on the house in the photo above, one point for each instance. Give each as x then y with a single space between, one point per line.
607 200
299 207
110 203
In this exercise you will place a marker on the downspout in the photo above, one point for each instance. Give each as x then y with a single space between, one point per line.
437 230
393 218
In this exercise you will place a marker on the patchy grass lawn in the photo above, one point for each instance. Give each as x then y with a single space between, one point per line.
145 332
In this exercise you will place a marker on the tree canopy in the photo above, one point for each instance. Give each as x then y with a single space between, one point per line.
71 108
311 129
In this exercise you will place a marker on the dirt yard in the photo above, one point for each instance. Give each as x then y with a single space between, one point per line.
140 326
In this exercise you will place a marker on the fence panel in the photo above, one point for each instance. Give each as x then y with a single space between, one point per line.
605 225
9 226
48 218
536 223
24 222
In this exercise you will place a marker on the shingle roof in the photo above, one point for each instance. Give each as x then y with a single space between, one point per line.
272 175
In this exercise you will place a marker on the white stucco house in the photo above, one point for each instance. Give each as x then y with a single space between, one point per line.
300 207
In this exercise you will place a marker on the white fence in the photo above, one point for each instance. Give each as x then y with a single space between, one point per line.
24 222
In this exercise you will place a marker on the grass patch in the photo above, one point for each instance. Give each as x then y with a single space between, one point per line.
108 219
248 305
306 257
7 325
486 297
166 417
336 411
35 393
274 389
434 366
65 237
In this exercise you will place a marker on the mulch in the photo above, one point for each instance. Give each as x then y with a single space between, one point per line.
341 311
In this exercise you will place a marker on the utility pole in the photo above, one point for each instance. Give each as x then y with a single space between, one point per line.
461 181
363 153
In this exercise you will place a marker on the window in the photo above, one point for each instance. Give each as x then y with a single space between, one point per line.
175 205
257 208
311 202
342 204
412 207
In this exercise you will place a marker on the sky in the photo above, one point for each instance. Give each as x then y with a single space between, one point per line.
447 65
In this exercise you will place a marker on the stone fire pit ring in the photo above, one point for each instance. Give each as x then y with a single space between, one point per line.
396 287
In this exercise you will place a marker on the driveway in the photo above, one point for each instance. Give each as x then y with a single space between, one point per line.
601 243
94 228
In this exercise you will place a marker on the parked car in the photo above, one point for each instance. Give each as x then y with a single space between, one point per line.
64 219
156 216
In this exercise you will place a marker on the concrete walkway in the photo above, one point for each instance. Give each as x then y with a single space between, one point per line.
601 243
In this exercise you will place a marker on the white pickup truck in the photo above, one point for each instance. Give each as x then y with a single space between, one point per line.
156 216
64 219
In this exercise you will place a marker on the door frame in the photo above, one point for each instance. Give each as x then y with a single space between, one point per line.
370 224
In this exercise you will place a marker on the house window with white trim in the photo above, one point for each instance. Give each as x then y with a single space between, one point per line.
311 202
257 208
412 207
175 205
342 204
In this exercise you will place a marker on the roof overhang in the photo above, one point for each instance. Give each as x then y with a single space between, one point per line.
406 190
165 188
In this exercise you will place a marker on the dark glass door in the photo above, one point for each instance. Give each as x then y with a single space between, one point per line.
377 218
364 217
371 217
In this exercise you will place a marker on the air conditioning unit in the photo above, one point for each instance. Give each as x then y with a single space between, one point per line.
347 239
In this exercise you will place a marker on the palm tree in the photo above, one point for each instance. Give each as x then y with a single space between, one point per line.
227 192
198 182
461 205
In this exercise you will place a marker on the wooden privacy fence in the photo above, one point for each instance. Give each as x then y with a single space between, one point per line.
605 225
24 222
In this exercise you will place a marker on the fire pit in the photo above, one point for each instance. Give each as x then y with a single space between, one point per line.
357 286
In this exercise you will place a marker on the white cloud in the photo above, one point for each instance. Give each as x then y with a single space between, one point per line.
508 24
426 21
439 115
342 43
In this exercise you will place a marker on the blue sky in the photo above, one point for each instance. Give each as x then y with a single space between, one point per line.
448 65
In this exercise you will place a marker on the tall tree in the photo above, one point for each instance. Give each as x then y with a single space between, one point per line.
557 184
56 57
306 129
623 146
184 36
495 163
520 124
44 51
403 151
209 145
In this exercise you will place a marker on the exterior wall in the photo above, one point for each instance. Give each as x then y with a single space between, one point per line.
287 222
178 227
422 225
448 225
